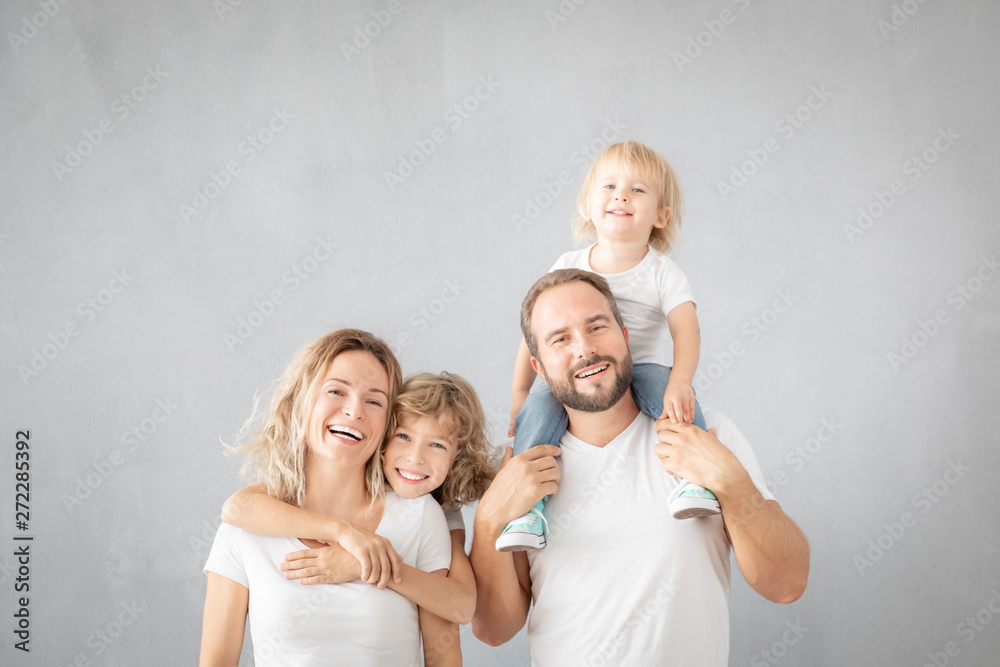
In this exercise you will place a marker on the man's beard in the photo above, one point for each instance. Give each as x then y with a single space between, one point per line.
573 399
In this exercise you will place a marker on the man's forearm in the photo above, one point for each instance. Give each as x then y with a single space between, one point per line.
501 602
771 551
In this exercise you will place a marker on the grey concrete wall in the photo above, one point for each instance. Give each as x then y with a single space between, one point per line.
174 174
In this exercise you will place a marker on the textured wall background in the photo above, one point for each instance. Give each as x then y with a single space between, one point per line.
193 190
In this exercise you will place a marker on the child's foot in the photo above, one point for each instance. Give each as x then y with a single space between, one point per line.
690 502
525 532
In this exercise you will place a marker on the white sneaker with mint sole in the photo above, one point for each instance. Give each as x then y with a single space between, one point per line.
691 502
526 532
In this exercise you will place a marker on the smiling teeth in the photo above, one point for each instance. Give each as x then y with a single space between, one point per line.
346 430
593 372
410 476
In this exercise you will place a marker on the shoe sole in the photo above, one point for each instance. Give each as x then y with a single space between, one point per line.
695 508
515 542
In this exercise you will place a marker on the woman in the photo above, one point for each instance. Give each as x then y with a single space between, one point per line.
318 448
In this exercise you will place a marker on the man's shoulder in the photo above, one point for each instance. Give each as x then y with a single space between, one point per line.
715 418
724 427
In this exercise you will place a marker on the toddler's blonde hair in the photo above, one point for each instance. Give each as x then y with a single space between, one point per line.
639 159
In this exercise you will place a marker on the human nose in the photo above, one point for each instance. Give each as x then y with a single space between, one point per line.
583 347
414 452
354 407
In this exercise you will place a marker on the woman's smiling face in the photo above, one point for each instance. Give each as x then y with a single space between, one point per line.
350 410
418 456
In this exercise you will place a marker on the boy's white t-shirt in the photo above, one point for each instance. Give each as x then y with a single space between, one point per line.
352 624
455 519
645 294
620 581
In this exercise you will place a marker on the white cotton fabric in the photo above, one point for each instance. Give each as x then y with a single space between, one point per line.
621 582
295 625
455 519
645 294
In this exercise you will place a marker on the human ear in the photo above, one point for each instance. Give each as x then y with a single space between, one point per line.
662 218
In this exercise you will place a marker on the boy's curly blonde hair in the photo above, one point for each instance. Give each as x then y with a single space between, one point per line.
277 451
640 159
451 400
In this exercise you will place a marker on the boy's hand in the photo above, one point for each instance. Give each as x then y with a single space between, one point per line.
326 565
379 561
678 403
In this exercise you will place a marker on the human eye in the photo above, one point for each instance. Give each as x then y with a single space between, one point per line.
402 436
438 445
374 401
637 189
336 392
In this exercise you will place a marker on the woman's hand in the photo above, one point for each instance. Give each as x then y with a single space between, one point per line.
379 562
325 565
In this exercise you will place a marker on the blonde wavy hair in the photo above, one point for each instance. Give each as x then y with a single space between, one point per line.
451 400
635 158
277 452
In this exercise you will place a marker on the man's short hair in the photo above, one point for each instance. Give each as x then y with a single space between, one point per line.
554 279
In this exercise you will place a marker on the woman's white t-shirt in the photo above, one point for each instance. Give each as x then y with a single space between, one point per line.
351 624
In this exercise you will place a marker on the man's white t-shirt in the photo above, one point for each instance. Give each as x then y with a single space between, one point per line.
620 581
645 294
351 624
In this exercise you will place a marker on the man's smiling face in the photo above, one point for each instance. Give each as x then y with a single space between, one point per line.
582 352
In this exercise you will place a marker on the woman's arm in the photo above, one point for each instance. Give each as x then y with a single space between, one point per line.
224 622
252 509
453 598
